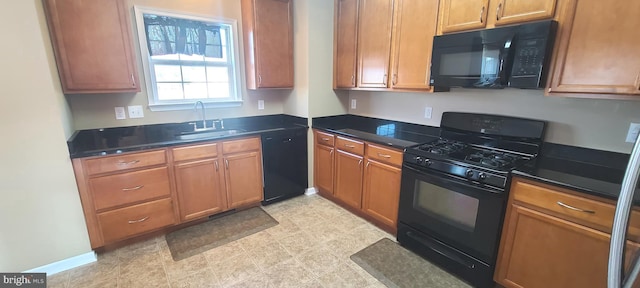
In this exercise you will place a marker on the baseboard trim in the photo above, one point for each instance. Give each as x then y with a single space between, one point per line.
65 264
311 191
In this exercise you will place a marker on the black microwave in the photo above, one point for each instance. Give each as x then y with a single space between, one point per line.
513 56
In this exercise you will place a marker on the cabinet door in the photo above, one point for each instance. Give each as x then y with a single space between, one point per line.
598 50
199 188
460 15
516 11
415 26
268 31
374 42
323 168
92 44
349 178
346 35
539 250
243 175
381 192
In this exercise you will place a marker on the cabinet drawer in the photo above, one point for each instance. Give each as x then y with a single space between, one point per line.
349 145
385 155
209 150
241 145
325 138
599 216
124 162
136 186
122 223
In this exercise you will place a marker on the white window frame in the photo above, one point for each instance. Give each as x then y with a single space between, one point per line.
233 55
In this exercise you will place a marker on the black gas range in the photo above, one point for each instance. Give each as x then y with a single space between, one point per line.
454 190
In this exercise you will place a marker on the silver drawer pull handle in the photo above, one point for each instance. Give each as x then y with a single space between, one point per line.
138 221
325 139
574 208
384 155
349 146
128 163
133 188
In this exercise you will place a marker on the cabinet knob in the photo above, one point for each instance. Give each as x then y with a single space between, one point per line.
481 14
498 11
217 167
259 79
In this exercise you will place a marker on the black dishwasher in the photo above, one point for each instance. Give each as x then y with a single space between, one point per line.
284 156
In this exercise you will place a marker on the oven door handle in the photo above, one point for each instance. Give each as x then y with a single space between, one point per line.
462 183
429 245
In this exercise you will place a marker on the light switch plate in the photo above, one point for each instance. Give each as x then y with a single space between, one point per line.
427 112
135 111
260 104
632 134
120 114
353 103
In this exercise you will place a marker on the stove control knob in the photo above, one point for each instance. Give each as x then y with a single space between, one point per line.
469 173
427 162
419 160
482 176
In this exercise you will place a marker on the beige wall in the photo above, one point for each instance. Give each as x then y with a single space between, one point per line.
597 124
297 103
40 214
95 111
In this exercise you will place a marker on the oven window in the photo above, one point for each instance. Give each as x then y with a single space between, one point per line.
449 206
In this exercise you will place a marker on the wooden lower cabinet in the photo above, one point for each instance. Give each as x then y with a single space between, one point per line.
381 187
543 248
131 194
243 178
200 188
363 177
349 178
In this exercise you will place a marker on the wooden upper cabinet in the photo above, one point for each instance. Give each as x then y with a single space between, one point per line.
374 43
345 43
460 15
92 45
415 25
516 11
597 55
268 43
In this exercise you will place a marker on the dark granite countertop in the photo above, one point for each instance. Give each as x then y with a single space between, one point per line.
385 132
589 171
96 142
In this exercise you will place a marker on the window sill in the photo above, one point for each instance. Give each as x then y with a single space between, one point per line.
190 106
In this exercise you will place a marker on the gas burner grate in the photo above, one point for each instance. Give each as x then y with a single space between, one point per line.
443 146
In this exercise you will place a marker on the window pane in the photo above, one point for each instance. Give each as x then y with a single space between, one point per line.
170 91
195 90
218 90
194 74
185 57
218 74
167 73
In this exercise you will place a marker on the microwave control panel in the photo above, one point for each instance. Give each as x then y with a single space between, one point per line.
529 56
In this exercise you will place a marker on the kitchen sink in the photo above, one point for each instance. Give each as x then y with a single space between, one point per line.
208 134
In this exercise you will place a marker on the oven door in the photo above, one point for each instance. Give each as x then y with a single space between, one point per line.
464 216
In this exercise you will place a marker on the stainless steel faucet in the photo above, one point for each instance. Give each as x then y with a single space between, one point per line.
204 118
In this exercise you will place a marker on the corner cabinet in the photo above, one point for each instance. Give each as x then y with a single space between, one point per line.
597 54
393 46
268 43
362 177
92 45
547 245
463 15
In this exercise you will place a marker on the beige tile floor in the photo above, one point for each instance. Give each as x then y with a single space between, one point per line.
309 248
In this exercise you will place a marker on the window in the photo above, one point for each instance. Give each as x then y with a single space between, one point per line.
187 59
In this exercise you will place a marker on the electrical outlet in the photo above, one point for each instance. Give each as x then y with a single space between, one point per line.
135 111
427 112
353 103
260 104
120 114
634 130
